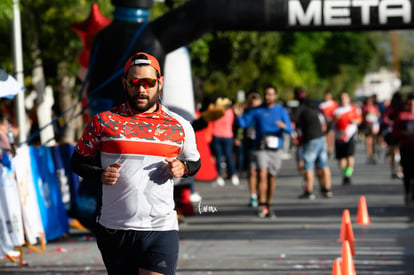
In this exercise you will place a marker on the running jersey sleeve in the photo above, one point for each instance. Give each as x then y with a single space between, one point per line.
89 143
189 154
189 151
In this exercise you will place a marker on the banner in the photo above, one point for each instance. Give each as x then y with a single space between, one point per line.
11 225
54 217
6 243
32 220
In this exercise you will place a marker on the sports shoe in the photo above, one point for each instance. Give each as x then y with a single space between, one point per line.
397 175
346 181
326 193
195 197
253 202
307 195
263 211
219 182
235 180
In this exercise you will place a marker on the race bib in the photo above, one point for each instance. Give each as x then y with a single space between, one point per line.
272 142
371 118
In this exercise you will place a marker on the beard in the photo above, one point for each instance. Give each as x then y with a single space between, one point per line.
142 107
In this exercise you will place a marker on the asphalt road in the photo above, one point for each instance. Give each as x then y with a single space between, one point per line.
226 237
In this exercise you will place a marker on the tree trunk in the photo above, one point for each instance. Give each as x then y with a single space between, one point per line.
72 111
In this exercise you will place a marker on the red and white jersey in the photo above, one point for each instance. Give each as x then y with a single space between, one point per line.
344 128
327 108
142 198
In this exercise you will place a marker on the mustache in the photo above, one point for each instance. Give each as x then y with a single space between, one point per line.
141 97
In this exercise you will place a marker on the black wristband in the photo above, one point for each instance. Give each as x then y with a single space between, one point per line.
191 167
186 168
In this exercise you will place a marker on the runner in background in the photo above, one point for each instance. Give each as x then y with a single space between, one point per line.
310 123
370 126
347 117
391 114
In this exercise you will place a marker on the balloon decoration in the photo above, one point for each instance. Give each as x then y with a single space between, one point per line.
87 30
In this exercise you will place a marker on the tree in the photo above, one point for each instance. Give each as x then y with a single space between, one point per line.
48 43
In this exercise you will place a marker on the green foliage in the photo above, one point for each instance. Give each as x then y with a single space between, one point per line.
6 10
46 34
241 58
286 72
319 61
345 48
6 16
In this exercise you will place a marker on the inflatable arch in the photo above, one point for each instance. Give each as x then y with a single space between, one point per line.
131 31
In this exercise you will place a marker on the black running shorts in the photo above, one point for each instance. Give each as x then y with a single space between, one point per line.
125 251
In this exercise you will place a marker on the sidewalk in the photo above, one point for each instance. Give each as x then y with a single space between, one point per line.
226 237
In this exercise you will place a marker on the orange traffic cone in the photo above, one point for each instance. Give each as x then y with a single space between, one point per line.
362 214
349 236
336 268
346 218
348 267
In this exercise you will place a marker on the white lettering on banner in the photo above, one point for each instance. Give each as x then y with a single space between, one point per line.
297 16
394 8
338 12
365 6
